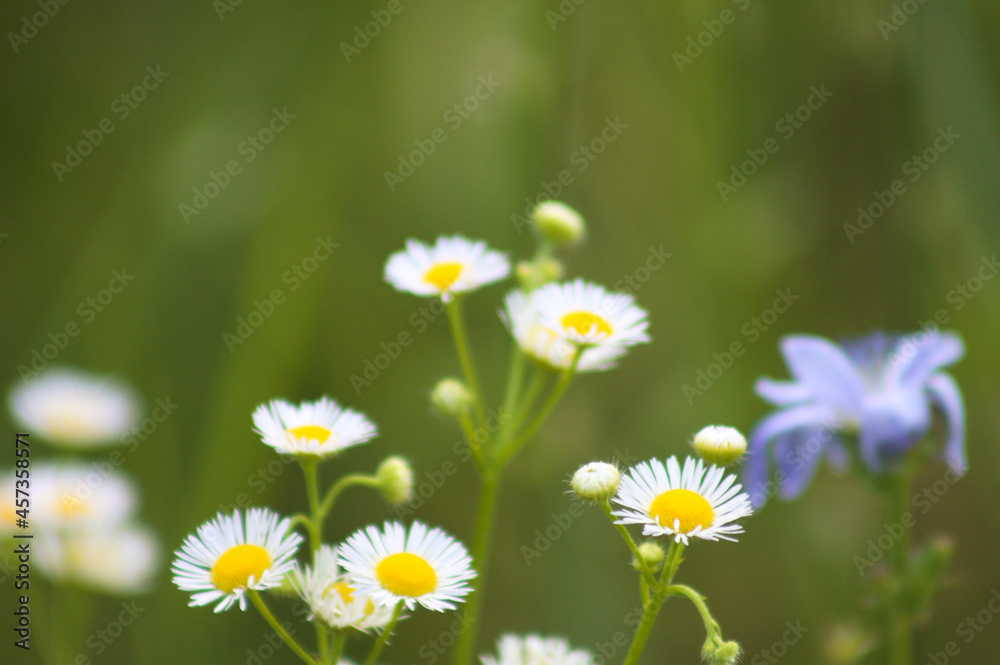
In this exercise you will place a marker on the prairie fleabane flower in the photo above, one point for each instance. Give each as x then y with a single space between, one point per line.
586 314
75 409
120 560
320 428
537 650
691 503
596 481
719 445
331 596
880 388
547 346
423 566
73 497
452 265
226 557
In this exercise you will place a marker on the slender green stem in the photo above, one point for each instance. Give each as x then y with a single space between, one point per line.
465 648
339 637
470 435
261 606
647 574
315 525
384 637
515 378
511 448
900 614
341 485
652 607
711 627
523 407
454 309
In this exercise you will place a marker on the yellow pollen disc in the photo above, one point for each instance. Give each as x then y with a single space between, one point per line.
234 568
584 322
443 275
70 426
345 590
309 432
369 607
406 574
691 508
7 515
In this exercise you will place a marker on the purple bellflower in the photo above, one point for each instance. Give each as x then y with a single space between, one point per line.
880 389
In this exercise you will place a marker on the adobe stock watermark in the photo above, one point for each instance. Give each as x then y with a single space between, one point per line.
87 311
579 161
453 117
779 648
381 18
786 127
562 12
923 501
620 639
898 17
249 149
968 629
560 523
121 108
432 481
294 277
696 44
751 331
37 21
913 169
102 638
436 647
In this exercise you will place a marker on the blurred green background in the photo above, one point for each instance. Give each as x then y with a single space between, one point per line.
653 186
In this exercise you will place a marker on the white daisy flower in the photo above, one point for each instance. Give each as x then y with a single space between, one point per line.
428 567
536 650
223 559
693 503
586 314
547 346
72 496
122 561
75 409
312 428
453 265
333 598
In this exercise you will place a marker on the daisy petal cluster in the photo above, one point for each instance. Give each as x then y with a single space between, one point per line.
536 650
881 388
229 555
321 428
682 503
451 266
586 314
75 409
333 598
420 566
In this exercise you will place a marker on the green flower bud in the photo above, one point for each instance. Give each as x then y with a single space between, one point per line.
535 273
450 397
395 479
558 223
719 445
728 653
652 554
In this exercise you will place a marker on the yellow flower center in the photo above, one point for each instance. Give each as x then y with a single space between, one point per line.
72 425
343 589
237 564
584 322
443 275
691 508
8 515
406 574
308 432
70 506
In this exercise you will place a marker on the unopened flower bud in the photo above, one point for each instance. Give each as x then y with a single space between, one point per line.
728 653
533 274
597 481
719 445
652 554
558 223
395 479
450 397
